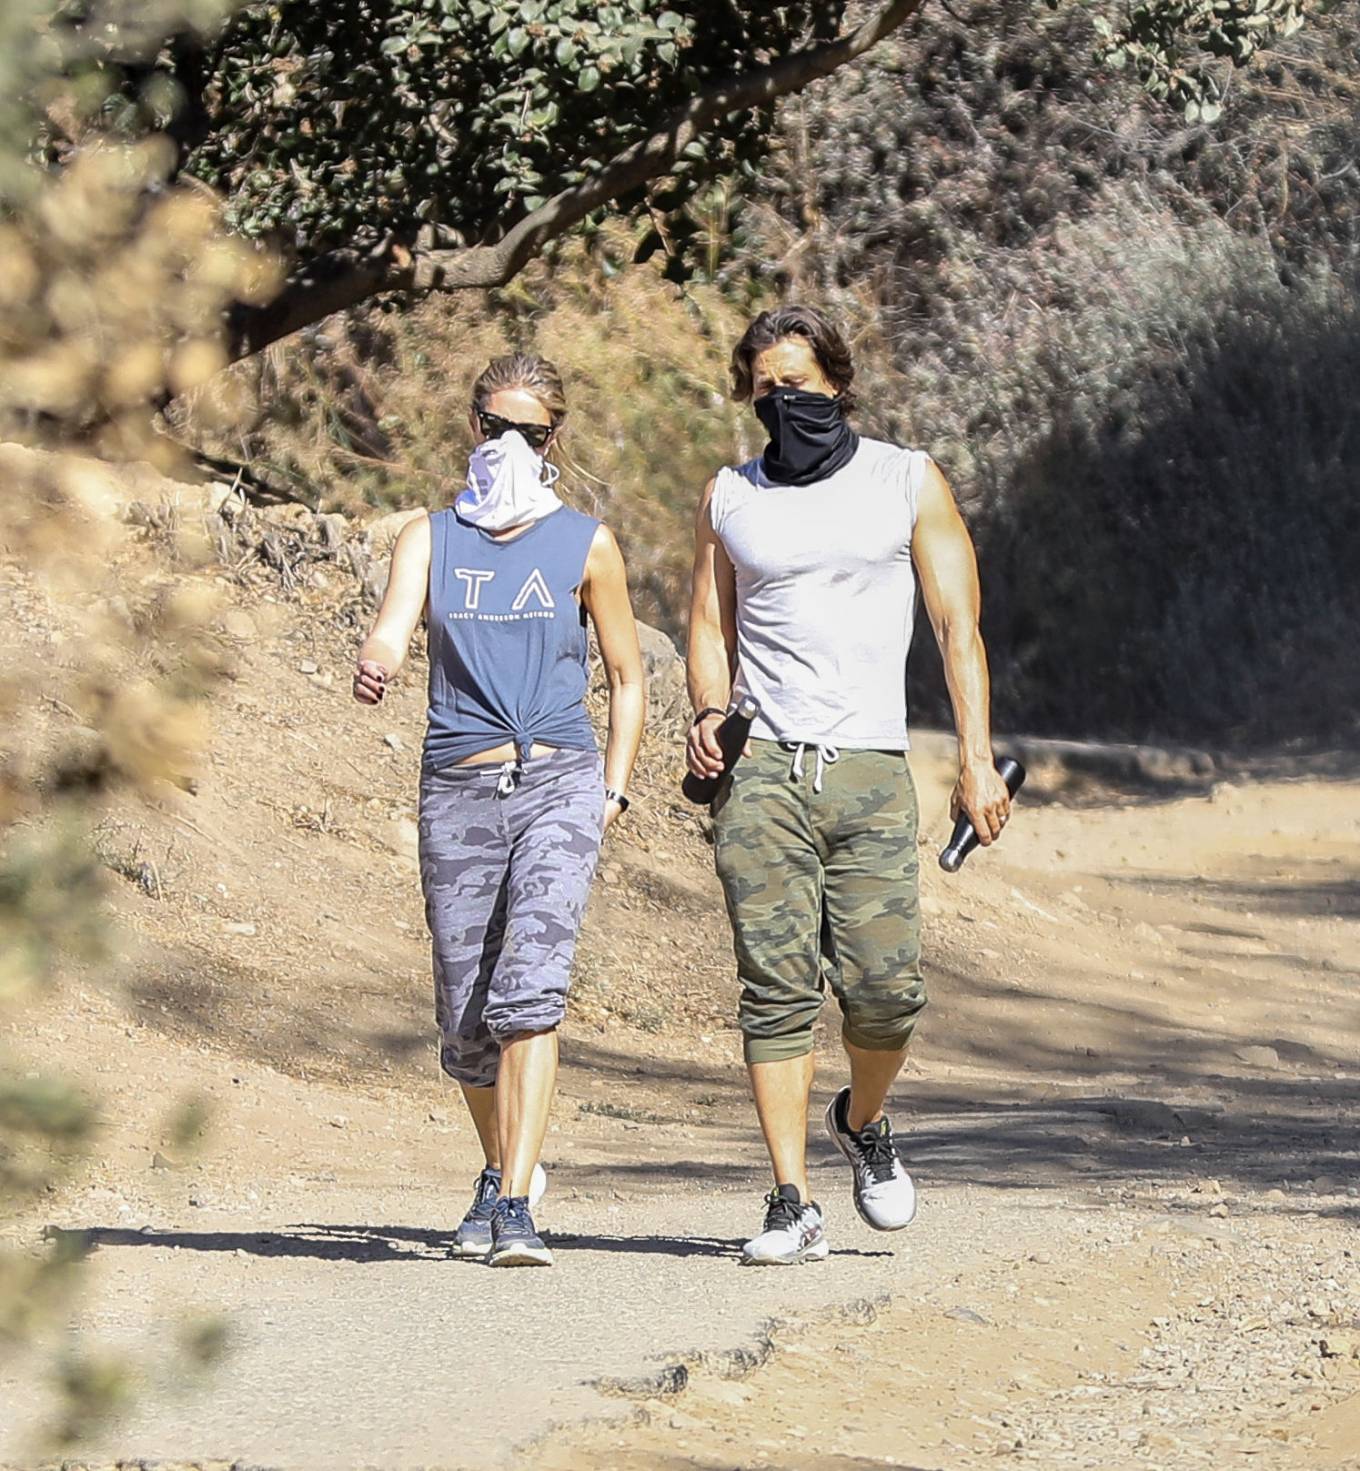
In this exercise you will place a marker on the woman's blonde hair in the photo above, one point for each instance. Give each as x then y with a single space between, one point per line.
524 370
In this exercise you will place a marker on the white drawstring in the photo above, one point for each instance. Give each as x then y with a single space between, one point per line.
511 771
826 756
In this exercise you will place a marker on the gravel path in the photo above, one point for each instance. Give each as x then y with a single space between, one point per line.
1143 1335
1133 1113
357 1345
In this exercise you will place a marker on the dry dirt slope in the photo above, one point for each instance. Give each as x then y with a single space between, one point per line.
1144 1022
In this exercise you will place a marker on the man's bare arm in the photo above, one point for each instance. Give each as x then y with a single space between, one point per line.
947 568
712 653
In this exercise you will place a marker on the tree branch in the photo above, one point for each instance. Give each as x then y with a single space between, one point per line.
343 278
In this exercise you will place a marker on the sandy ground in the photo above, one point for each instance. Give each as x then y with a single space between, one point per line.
1132 1113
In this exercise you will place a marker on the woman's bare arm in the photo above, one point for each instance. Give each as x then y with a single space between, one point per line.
385 649
604 592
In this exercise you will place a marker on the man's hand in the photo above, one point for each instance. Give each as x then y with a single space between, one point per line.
612 812
702 751
982 794
370 682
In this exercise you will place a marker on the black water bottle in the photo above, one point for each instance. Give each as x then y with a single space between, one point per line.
732 735
965 837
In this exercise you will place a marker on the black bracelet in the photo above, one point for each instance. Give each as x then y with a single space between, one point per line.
705 713
610 795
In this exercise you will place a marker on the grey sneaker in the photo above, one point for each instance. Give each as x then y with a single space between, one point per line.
884 1194
514 1241
473 1236
793 1232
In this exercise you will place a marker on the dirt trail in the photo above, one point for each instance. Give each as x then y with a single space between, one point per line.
1133 1114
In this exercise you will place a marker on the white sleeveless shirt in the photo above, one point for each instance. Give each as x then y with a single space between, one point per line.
826 596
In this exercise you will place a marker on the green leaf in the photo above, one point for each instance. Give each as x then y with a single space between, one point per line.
393 45
588 79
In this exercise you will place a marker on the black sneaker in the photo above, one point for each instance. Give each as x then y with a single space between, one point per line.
793 1232
514 1242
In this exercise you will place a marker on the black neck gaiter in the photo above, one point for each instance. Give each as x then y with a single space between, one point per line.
809 438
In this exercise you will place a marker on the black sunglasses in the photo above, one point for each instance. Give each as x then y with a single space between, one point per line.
493 426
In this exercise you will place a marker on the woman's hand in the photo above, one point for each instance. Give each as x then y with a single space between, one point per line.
612 812
370 682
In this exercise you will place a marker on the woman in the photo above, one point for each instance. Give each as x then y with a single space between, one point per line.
513 802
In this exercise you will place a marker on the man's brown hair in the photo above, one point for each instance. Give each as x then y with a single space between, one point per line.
828 346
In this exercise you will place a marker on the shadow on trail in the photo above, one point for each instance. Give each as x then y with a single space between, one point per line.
1125 1141
367 1244
1159 1104
1323 895
358 1244
676 1246
682 1462
1022 1079
680 1246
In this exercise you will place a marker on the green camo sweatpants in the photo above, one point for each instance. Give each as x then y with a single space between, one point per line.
821 886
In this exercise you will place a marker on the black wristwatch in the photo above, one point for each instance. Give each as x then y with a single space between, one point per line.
610 795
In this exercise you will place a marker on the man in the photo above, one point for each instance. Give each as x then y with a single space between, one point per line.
805 571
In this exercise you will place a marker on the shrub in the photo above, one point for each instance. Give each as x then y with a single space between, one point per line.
1162 478
1117 333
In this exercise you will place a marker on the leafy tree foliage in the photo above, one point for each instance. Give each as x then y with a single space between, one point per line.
336 124
439 144
443 144
1177 48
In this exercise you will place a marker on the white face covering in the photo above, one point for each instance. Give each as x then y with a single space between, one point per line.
508 485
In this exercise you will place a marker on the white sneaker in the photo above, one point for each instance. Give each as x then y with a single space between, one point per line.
884 1194
793 1232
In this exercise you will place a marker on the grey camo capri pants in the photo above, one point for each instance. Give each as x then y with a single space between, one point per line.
506 876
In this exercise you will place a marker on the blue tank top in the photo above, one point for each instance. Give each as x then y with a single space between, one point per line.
507 637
